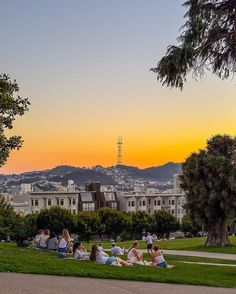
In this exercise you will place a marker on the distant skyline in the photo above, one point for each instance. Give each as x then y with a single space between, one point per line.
84 65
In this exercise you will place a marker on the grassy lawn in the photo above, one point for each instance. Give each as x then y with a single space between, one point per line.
13 259
181 244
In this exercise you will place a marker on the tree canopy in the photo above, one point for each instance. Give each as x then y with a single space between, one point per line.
11 105
209 180
207 42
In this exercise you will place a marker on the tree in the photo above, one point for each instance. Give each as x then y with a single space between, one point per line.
7 217
141 220
11 105
114 221
56 219
190 226
23 228
164 223
207 42
209 180
88 224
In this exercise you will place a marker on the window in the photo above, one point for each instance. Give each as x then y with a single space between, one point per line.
86 197
129 203
114 205
159 202
163 201
49 202
89 206
73 201
149 201
109 196
70 201
144 203
32 202
179 202
74 211
140 203
36 202
172 211
58 202
61 202
173 202
169 202
132 203
155 202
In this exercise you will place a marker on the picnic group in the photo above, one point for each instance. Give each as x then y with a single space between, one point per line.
64 245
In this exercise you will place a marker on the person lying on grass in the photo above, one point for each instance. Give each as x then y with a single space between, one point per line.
117 250
135 255
102 258
79 252
158 258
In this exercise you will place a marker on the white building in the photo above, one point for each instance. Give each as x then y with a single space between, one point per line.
153 202
42 200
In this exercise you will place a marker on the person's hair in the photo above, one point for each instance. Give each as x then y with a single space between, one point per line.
134 245
155 248
40 232
52 235
76 246
100 244
94 252
66 235
148 233
47 232
113 244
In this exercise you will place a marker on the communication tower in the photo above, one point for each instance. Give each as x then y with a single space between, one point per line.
119 156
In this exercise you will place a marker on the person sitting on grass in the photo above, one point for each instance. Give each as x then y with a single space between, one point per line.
64 243
43 241
102 258
117 250
37 238
52 242
158 258
80 252
135 255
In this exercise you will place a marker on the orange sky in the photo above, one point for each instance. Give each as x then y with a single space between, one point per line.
85 69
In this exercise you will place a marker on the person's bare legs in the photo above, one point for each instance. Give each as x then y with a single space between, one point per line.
123 262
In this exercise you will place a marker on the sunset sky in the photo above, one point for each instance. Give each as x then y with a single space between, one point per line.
84 65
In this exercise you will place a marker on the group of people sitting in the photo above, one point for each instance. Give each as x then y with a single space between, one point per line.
47 240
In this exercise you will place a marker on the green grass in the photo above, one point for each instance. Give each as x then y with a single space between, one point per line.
13 259
181 244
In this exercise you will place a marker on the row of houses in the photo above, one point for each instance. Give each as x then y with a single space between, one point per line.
92 199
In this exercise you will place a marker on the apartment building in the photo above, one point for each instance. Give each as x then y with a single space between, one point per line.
151 203
91 199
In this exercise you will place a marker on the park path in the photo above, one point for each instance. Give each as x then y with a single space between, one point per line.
227 256
11 283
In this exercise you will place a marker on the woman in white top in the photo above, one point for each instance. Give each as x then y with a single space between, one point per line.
64 242
79 252
158 258
102 258
43 241
135 255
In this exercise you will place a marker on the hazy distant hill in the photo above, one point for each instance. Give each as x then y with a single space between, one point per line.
161 173
107 176
81 176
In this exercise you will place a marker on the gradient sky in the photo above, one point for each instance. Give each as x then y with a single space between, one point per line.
84 65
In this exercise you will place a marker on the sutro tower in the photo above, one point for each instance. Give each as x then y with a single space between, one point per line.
119 156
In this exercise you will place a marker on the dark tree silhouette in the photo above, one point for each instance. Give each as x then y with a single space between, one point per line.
11 105
207 42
